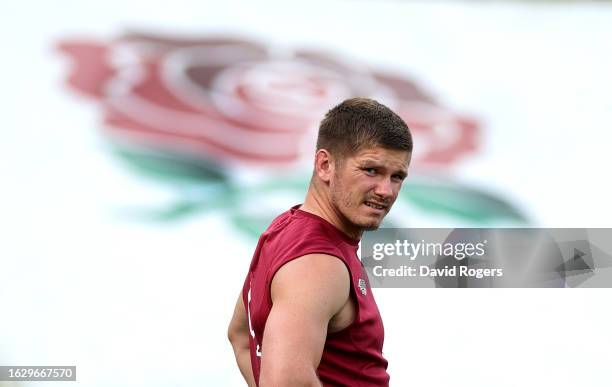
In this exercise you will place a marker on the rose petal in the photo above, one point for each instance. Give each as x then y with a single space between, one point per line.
90 68
165 44
403 88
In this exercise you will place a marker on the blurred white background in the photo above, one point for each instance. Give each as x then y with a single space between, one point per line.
145 303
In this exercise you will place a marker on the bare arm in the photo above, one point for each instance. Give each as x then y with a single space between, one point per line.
306 293
238 334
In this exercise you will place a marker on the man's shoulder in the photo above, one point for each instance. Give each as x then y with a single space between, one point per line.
294 233
280 222
292 226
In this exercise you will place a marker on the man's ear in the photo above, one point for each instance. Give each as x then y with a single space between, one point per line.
324 165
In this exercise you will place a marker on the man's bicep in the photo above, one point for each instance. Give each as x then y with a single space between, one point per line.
306 293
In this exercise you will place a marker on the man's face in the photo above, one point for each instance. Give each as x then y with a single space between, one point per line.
365 185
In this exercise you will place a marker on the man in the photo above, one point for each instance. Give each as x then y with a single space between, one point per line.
306 315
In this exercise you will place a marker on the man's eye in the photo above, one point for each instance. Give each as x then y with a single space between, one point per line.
398 177
370 171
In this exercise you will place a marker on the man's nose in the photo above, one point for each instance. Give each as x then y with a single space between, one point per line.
384 188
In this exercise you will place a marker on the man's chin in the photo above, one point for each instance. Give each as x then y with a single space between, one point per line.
371 227
365 224
369 223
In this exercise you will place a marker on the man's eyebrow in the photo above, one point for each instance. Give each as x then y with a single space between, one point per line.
403 173
376 163
369 162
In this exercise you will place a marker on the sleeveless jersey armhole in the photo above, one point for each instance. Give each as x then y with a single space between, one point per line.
352 291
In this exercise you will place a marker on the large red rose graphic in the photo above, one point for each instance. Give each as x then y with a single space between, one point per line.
186 109
233 101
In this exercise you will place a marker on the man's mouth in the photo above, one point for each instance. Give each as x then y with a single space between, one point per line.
375 206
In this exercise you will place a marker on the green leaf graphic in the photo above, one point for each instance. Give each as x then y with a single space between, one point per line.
168 167
202 187
460 201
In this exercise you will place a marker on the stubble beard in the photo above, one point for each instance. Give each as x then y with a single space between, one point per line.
345 205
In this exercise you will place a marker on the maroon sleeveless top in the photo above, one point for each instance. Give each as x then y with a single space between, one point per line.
352 356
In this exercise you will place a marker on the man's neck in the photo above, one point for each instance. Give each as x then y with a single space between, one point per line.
320 204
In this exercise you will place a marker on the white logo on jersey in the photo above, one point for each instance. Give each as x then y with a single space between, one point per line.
258 350
362 286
